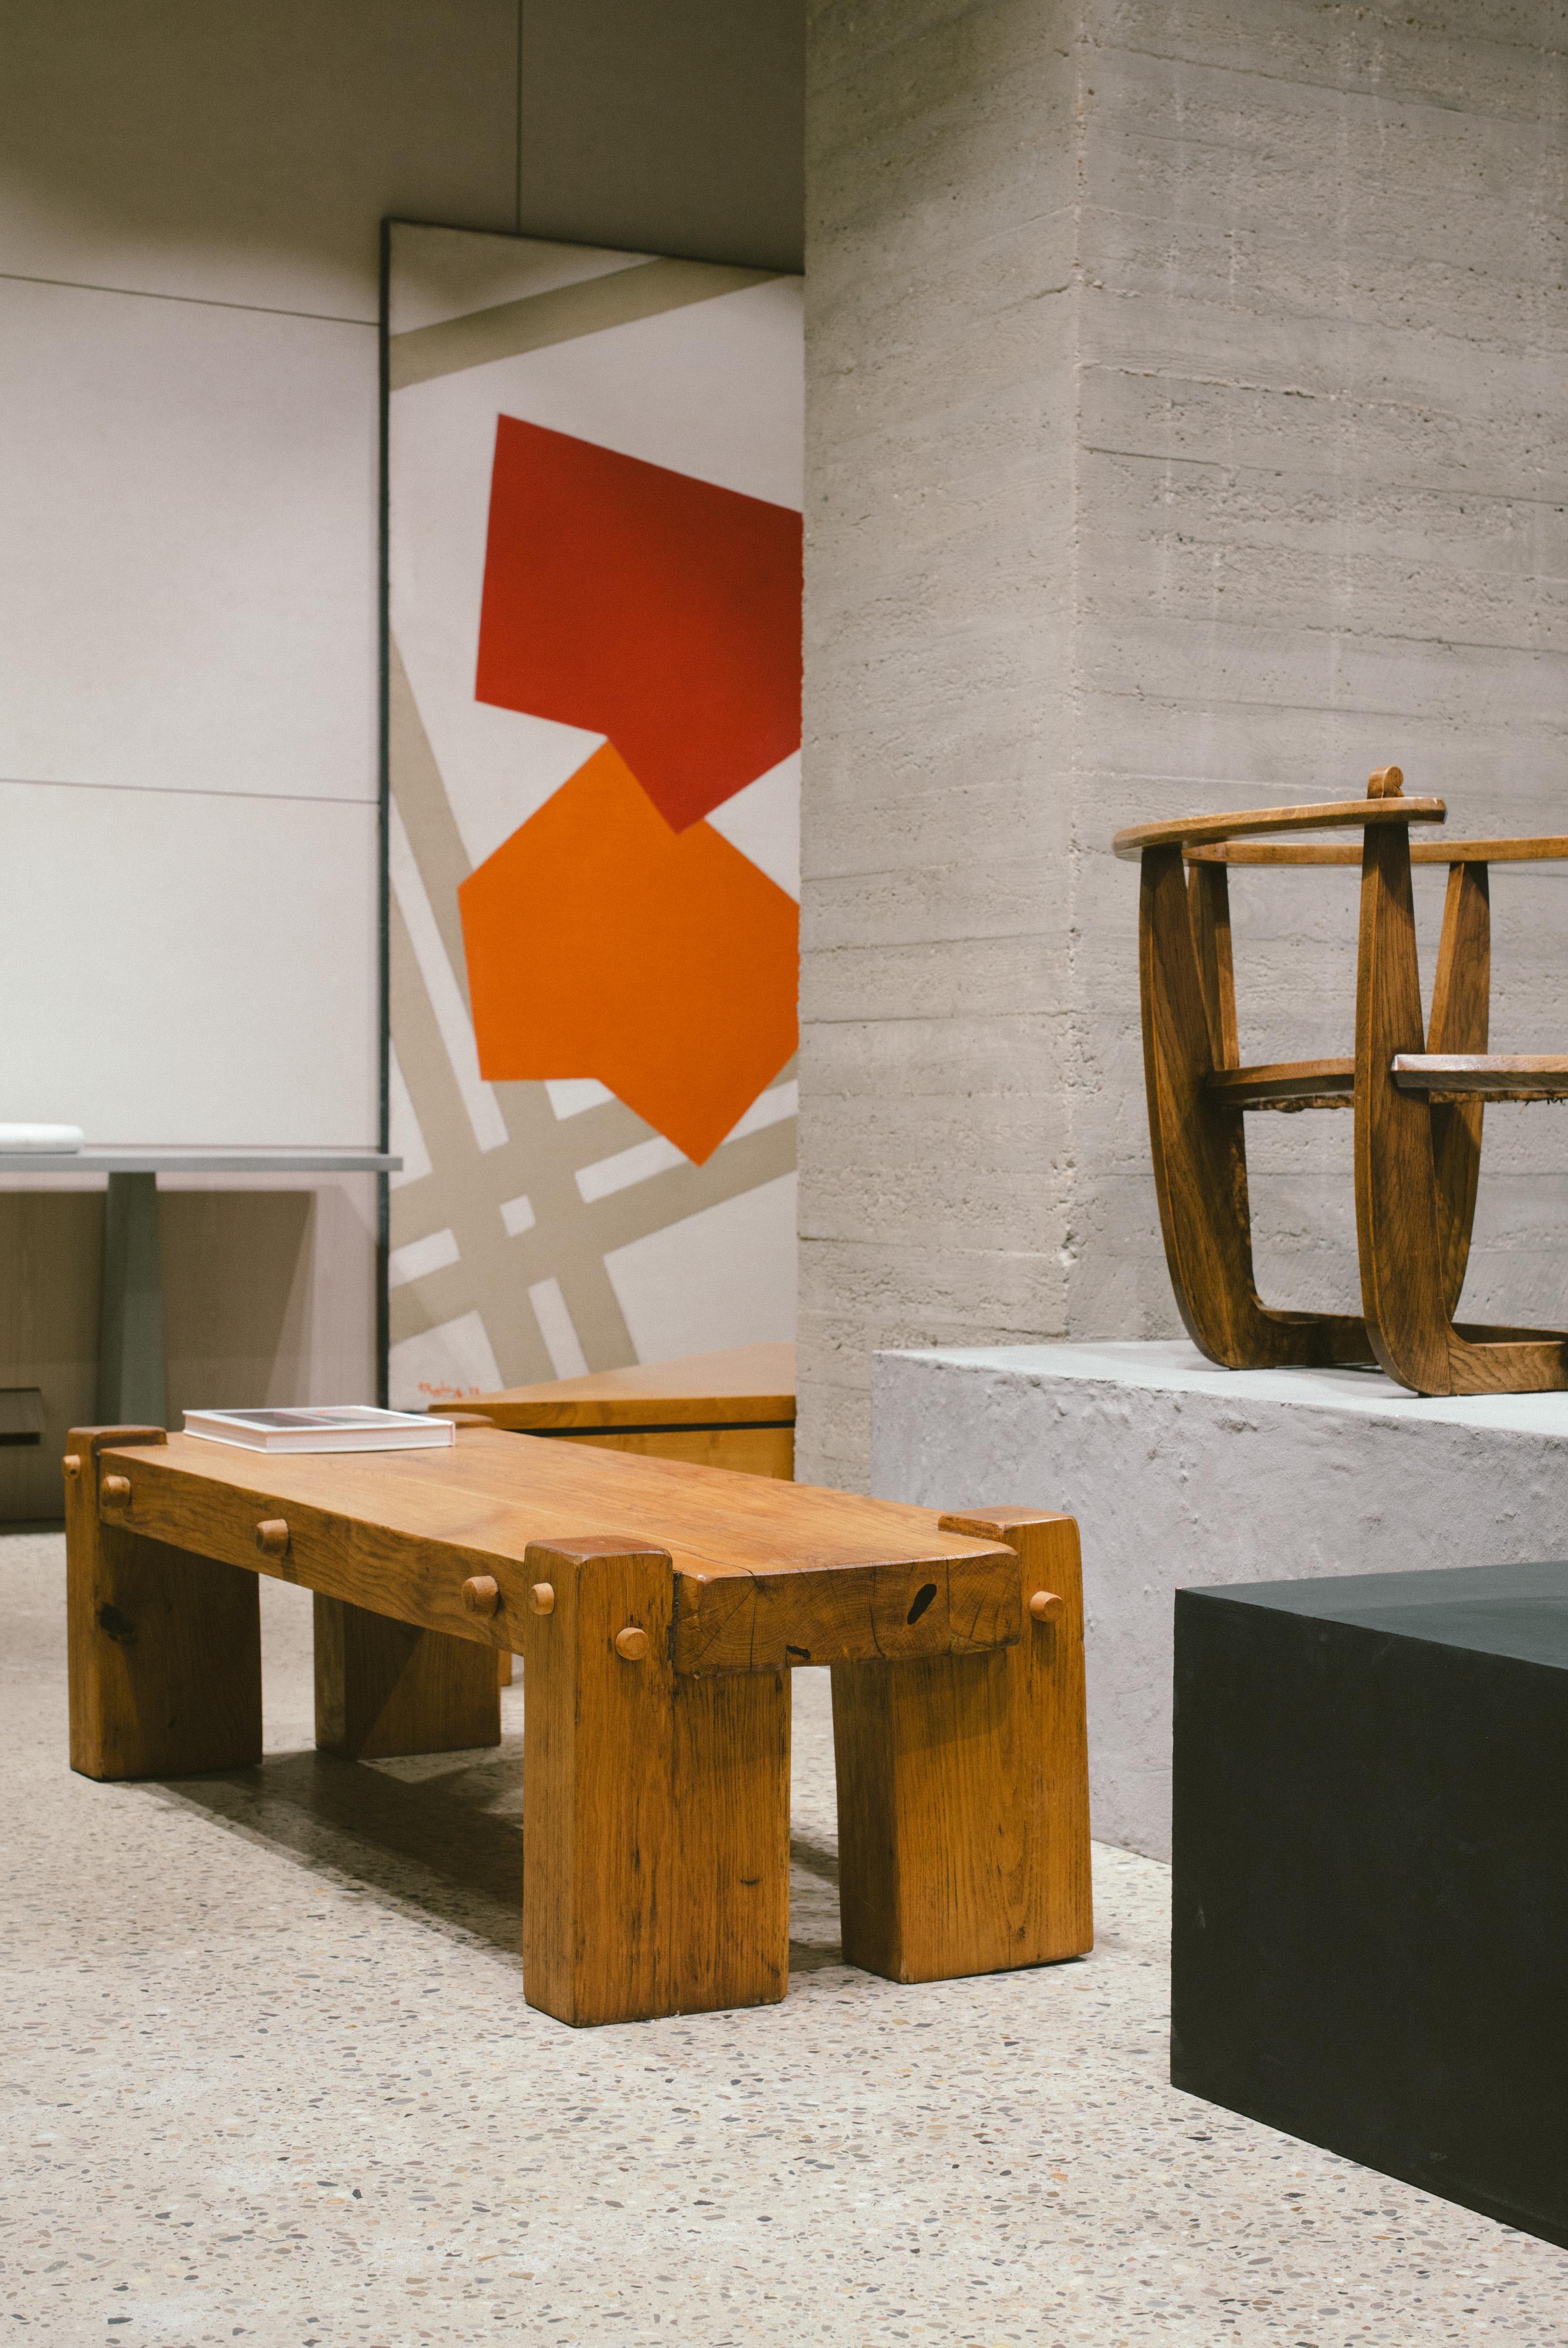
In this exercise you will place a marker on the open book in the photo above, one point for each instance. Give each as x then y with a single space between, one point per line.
354 1427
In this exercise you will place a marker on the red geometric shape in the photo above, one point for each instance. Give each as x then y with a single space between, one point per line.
600 942
645 606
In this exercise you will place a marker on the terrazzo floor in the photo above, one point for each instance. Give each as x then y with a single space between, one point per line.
268 2077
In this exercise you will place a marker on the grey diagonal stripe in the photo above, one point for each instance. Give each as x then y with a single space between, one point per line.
426 811
644 289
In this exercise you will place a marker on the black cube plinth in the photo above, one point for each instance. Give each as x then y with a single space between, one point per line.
1371 1926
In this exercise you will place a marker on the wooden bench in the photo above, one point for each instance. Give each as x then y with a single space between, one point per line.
657 1609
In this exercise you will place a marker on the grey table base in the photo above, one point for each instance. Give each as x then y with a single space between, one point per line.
133 1375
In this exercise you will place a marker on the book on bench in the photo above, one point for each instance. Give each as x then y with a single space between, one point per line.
354 1427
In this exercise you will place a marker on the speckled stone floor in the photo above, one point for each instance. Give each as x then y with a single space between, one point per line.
267 2075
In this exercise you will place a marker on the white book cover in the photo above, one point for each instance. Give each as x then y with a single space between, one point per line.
354 1427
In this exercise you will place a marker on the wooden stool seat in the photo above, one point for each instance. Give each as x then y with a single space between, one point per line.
657 1609
1481 1075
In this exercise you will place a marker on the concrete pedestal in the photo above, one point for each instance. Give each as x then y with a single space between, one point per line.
1183 1474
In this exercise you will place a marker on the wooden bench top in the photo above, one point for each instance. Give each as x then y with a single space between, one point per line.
746 1386
767 1572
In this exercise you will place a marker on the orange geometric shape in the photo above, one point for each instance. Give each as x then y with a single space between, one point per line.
600 942
641 603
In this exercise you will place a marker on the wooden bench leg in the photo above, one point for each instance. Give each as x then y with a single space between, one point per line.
384 1688
963 1787
655 1805
165 1647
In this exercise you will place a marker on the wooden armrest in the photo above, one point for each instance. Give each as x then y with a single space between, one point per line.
1545 850
1200 830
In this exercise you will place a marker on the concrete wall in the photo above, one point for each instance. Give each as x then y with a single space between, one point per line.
1184 432
1182 1476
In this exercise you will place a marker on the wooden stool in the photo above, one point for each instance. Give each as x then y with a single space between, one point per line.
656 1654
1418 1092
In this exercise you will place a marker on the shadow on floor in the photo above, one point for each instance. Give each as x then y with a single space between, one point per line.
421 1846
435 1844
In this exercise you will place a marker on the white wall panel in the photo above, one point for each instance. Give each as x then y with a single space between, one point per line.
188 508
245 153
184 966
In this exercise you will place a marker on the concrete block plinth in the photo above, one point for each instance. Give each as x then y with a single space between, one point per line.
1182 1475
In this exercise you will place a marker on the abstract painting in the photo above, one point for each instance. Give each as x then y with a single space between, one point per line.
593 465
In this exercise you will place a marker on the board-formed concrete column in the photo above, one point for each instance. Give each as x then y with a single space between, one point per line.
1182 433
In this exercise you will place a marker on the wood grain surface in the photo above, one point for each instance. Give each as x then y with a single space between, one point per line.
1202 830
165 1648
742 1385
1209 913
384 1688
1458 1022
1545 849
743 1450
963 1799
1285 1084
755 1621
1405 1269
401 1532
1401 1247
1198 1151
1494 1075
655 1812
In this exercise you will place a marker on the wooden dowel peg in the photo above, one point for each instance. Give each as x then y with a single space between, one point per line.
1047 1607
631 1644
272 1535
72 1463
482 1594
116 1489
544 1598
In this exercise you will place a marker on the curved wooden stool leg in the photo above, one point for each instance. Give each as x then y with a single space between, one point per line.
1196 1142
1402 1225
1461 993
